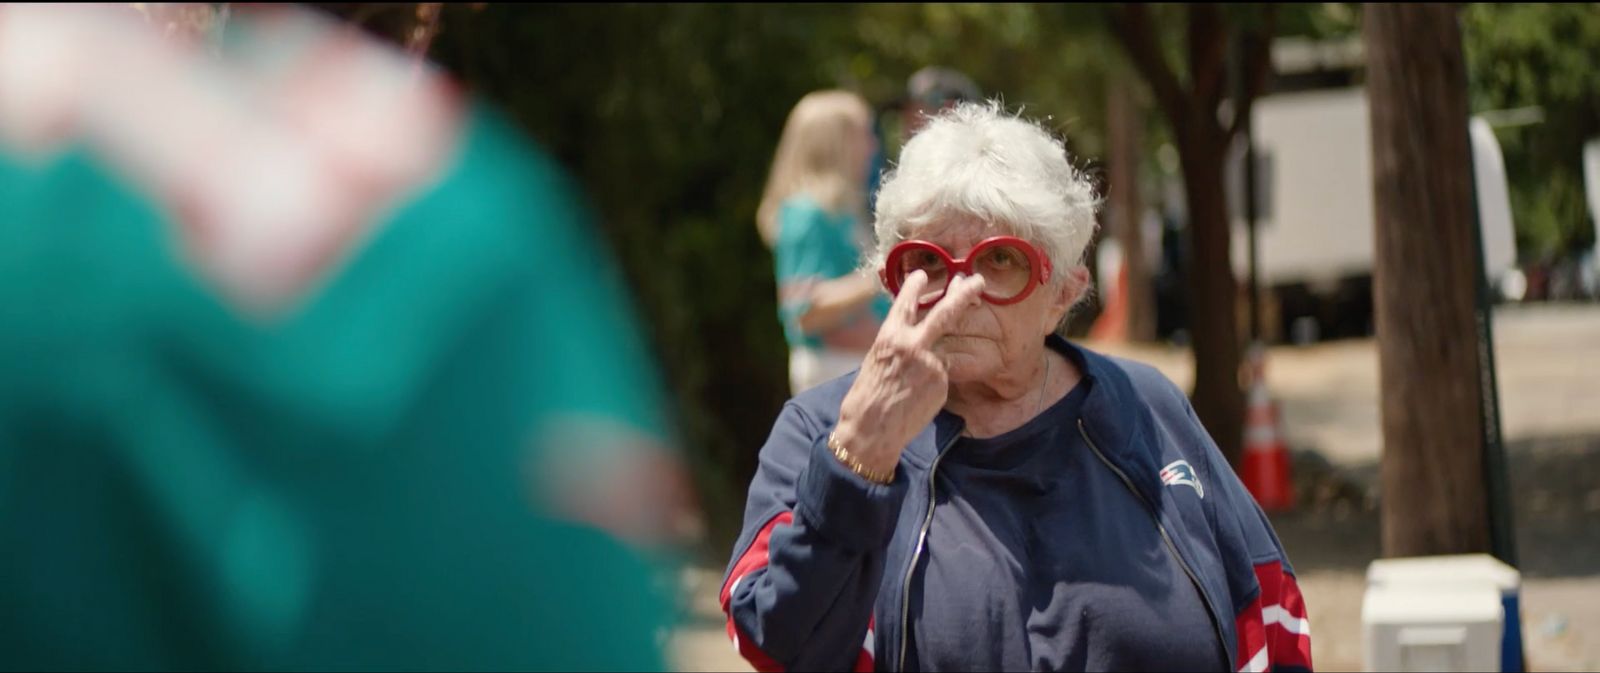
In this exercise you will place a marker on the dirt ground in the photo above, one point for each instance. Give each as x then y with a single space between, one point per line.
1556 508
1548 367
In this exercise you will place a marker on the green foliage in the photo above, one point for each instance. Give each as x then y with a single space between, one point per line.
1326 20
1049 61
1545 55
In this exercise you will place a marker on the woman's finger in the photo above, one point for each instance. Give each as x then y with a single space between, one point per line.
904 310
961 296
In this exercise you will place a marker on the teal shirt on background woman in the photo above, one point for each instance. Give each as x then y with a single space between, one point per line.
814 245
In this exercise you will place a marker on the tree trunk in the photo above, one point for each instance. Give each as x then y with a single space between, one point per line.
1213 291
1124 117
1423 283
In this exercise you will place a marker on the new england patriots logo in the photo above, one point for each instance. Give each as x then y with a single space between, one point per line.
1180 472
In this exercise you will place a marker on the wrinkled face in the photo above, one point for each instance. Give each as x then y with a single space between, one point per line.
990 339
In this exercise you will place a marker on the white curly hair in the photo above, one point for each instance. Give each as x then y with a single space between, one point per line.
976 160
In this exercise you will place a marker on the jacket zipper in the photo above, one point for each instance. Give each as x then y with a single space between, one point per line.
916 555
1211 610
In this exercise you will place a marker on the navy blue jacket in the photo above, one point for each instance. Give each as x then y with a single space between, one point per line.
833 572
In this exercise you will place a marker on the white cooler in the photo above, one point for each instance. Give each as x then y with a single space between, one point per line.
1454 570
1442 613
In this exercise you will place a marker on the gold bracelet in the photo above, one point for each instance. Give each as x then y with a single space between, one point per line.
855 465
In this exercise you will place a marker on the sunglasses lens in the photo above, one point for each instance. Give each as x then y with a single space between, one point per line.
929 263
1005 270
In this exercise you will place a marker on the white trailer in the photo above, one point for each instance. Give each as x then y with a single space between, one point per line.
1315 196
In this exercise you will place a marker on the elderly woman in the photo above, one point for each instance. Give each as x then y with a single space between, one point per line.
984 495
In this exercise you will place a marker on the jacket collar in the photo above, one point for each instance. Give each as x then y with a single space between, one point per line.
1116 416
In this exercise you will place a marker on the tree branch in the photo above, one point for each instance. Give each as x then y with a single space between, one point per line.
1131 24
1208 53
1258 65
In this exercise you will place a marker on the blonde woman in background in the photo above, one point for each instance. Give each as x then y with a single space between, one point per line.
812 215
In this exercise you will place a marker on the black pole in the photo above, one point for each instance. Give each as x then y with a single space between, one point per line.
1241 48
1250 199
1496 481
1502 541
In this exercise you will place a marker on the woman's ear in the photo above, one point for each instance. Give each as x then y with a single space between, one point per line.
1064 297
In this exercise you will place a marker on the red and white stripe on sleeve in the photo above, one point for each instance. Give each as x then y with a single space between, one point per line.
1274 633
754 559
864 660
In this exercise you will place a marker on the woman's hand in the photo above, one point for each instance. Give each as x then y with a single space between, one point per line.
902 384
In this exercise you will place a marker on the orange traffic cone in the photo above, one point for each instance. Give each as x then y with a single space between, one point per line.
1266 459
1112 325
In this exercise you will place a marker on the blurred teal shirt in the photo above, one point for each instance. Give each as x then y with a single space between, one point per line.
353 484
813 245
